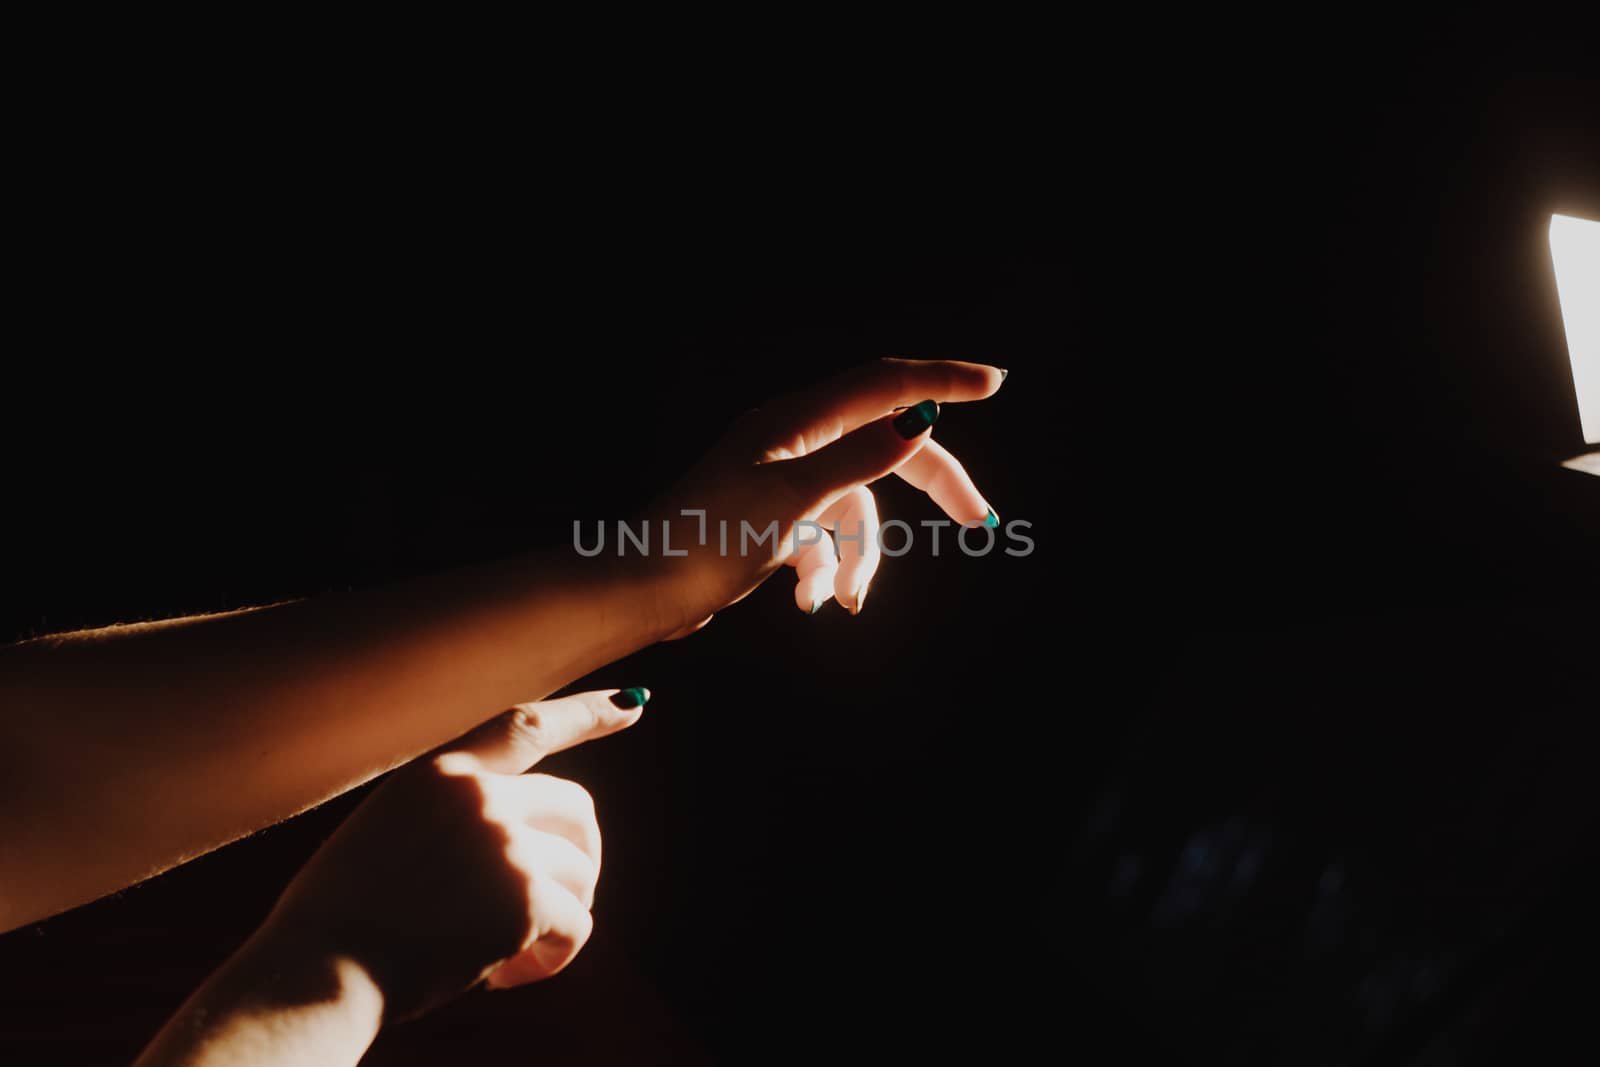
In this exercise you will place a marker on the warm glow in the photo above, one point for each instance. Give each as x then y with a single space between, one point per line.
1575 247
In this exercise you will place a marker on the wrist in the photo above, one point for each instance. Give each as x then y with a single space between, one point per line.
288 965
664 595
644 596
279 999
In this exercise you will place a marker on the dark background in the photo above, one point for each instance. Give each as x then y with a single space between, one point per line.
1276 750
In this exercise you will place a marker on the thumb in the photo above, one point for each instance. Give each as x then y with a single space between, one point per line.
516 739
860 456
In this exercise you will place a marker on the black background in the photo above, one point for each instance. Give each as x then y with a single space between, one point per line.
1277 748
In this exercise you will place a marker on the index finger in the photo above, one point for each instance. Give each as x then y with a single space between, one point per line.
827 411
515 740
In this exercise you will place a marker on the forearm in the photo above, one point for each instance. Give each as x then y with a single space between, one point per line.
125 751
273 1003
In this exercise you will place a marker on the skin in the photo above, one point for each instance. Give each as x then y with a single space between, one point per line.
364 935
127 750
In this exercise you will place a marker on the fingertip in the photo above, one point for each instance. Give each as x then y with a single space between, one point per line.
633 698
850 587
858 599
810 605
971 381
917 419
980 381
812 593
623 709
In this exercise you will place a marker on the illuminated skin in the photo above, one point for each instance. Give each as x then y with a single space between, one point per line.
127 750
358 938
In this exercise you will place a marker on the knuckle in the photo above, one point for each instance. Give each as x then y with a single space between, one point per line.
450 765
584 800
567 939
522 853
525 727
539 886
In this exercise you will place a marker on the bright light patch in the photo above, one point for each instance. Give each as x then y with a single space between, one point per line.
1575 247
1589 464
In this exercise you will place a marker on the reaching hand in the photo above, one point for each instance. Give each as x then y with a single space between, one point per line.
810 456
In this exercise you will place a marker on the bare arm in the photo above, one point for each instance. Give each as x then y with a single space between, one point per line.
128 750
271 1004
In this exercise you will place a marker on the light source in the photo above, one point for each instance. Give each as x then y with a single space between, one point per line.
1575 249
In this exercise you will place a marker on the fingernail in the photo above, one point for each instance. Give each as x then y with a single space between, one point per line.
628 699
991 520
1003 373
861 598
816 606
915 419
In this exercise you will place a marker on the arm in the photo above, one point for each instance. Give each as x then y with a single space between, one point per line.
359 937
127 750
274 1003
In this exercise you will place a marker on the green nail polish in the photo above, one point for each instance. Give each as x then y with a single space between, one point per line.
915 419
628 699
1003 373
861 597
991 520
816 606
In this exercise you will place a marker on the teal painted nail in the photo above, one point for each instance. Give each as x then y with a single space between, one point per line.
991 520
816 606
916 418
628 699
1003 373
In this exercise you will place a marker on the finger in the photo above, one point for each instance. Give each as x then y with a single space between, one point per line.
825 412
939 474
560 807
854 518
563 926
515 740
552 855
814 567
817 479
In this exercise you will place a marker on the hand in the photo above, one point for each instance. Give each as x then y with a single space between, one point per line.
461 867
810 456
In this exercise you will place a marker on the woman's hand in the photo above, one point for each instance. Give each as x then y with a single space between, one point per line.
810 456
459 868
462 867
